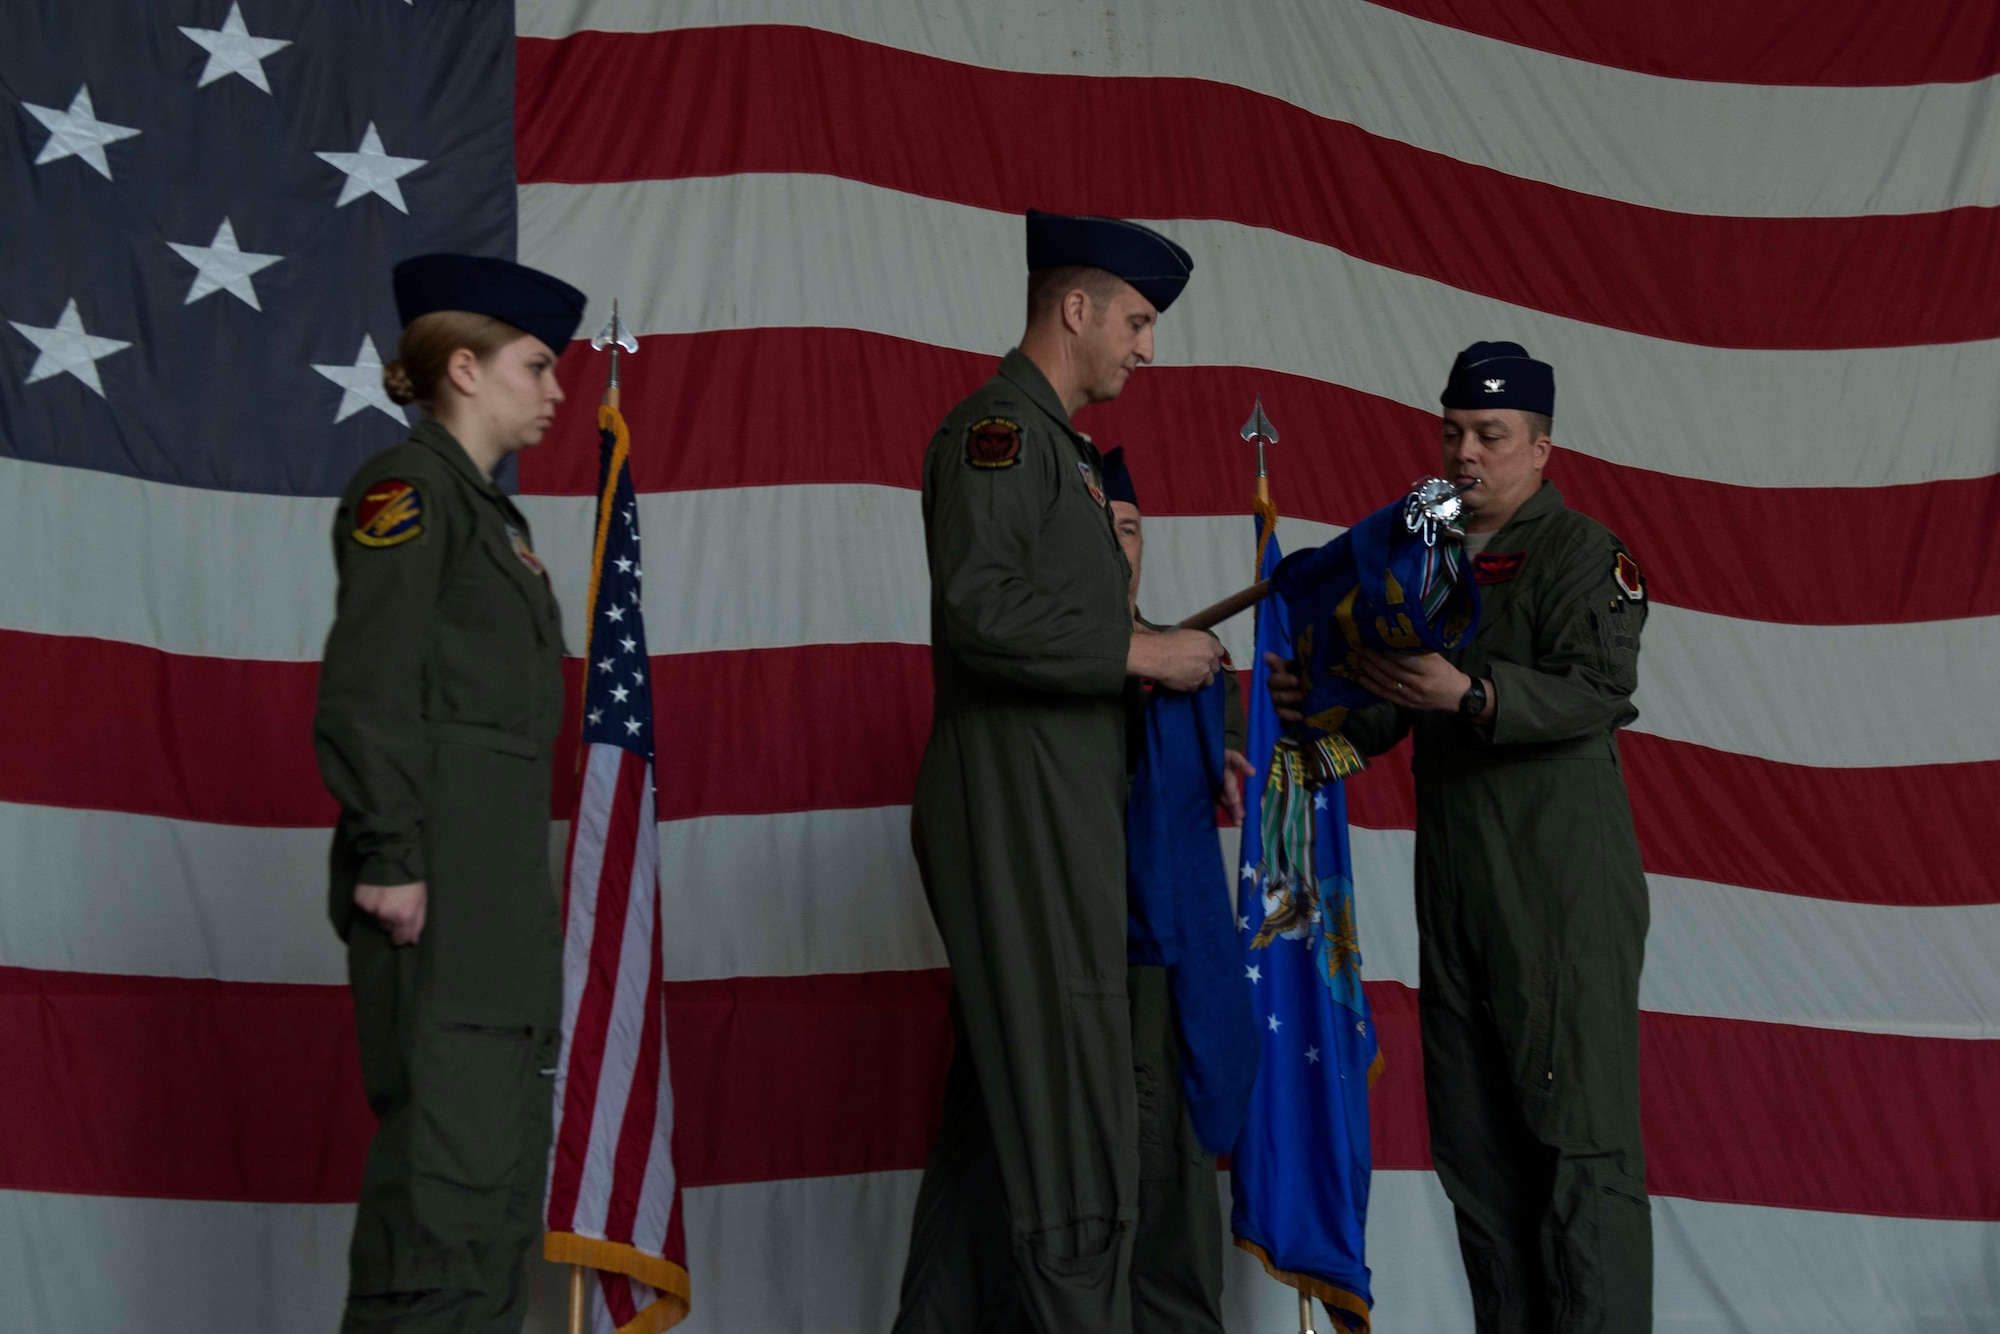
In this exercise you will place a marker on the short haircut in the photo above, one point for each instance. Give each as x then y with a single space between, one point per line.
1539 425
1047 287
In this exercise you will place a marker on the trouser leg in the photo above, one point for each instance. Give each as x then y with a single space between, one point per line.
1032 914
1531 1065
1495 1173
1177 1246
959 1276
452 1191
1596 1231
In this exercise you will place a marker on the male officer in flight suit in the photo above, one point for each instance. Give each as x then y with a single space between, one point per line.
1026 1213
1531 904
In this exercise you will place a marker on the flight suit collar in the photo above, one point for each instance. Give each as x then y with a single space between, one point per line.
1026 376
445 445
1546 501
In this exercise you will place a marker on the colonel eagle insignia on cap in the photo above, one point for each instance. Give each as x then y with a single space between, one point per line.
1495 386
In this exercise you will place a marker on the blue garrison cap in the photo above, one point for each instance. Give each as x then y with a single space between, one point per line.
1118 478
528 299
1141 256
1501 375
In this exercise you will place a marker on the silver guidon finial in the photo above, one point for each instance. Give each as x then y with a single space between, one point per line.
616 336
1259 431
1436 508
614 331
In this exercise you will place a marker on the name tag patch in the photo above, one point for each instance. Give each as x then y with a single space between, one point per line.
1488 568
523 552
1090 483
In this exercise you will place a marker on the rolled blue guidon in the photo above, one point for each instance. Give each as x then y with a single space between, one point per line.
1398 581
1180 914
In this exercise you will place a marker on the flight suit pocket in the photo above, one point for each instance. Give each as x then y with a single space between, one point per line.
1537 1070
472 1085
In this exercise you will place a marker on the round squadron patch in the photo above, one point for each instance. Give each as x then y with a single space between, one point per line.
1090 483
1630 582
993 442
391 512
523 552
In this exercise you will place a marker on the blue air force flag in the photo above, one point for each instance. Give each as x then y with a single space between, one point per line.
1301 1168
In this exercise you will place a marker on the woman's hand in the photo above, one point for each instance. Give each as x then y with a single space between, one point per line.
399 908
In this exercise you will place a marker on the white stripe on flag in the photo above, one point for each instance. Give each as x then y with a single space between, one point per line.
1750 150
802 251
631 999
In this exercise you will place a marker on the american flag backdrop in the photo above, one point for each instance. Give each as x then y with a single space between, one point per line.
1758 242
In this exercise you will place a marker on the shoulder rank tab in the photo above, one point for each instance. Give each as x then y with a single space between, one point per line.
1630 582
993 442
391 512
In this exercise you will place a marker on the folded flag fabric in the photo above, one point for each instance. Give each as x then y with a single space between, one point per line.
1178 893
1301 1168
1379 585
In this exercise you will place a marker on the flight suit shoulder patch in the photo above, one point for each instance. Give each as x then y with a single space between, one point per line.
1491 568
1630 581
993 443
1090 483
389 513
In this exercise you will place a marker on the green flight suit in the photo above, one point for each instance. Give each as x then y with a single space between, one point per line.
1029 1199
1532 914
439 703
1177 1252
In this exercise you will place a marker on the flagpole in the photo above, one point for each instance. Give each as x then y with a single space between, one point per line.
615 338
1305 1312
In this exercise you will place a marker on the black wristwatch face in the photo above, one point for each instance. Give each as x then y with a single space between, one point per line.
1473 702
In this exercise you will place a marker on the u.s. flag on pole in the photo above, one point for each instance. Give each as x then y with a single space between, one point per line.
614 1202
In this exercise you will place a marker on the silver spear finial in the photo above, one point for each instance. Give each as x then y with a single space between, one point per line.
616 336
1259 431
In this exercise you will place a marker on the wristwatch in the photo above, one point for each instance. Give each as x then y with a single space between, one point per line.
1473 702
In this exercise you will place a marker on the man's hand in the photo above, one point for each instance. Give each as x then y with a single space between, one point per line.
399 908
1288 691
1236 767
1416 680
1183 660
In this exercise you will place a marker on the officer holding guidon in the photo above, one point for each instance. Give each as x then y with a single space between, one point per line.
439 702
1026 1214
1531 903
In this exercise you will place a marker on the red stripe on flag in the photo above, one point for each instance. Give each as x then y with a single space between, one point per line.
1872 555
1845 43
841 726
806 101
191 1089
585 1058
109 726
636 1136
